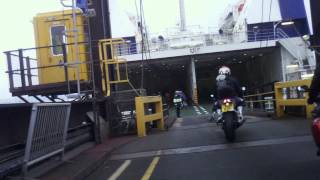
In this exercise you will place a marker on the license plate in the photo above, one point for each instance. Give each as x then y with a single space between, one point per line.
226 108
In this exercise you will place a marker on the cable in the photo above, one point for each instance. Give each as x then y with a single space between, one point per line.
142 46
262 14
269 21
146 32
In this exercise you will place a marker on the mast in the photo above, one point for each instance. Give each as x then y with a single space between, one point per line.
182 16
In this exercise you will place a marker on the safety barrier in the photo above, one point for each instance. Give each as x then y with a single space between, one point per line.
291 93
265 101
47 132
142 106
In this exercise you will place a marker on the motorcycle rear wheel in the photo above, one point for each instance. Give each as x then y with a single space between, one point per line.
229 126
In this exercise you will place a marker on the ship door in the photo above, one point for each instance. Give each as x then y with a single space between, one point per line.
54 34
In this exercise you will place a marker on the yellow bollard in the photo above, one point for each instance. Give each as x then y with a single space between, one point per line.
142 118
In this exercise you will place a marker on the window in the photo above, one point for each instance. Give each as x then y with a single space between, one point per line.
57 39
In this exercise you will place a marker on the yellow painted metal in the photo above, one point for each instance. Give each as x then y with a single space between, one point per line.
43 25
142 118
226 108
105 63
305 82
281 103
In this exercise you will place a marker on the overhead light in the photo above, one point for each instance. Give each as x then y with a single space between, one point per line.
306 37
287 23
306 76
255 27
182 66
244 54
292 66
219 58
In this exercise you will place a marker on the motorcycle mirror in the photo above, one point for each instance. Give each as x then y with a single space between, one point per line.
211 95
243 88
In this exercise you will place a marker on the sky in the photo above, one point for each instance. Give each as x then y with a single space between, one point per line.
17 29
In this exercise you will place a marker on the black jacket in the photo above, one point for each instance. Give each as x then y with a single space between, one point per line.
232 89
315 86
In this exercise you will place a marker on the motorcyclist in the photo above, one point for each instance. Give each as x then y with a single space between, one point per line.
178 102
314 87
228 87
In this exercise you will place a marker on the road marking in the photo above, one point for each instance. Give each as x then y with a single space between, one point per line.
198 149
178 122
150 169
204 110
120 170
197 110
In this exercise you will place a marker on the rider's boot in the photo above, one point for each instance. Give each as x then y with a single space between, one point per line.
240 114
219 116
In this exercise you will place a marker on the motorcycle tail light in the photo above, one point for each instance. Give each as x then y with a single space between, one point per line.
316 130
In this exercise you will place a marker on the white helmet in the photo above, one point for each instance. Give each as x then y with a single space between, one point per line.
224 70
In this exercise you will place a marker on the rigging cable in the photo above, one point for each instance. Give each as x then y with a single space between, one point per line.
268 35
142 46
262 20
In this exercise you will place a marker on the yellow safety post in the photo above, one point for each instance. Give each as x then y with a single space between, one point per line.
142 117
281 102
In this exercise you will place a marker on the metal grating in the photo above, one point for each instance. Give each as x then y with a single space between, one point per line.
47 132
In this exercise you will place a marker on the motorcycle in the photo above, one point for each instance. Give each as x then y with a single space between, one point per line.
229 117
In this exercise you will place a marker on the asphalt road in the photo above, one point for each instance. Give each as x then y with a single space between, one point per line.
196 149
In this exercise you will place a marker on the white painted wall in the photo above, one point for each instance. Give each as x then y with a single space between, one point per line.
203 50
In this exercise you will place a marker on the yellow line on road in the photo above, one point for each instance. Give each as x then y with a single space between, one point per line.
120 170
150 169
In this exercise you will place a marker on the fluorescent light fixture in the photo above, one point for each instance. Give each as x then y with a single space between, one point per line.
287 23
306 76
306 37
292 66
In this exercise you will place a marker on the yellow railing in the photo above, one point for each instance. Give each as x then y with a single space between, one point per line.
117 63
143 118
282 101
